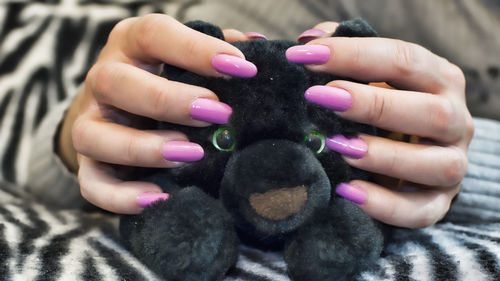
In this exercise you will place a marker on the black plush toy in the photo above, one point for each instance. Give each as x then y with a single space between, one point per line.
266 179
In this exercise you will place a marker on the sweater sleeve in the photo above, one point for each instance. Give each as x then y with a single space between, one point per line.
479 199
48 177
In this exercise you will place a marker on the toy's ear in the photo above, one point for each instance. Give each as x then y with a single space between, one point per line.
207 28
354 28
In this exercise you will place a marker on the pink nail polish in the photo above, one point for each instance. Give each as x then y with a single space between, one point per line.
146 199
355 147
211 111
182 151
310 34
352 192
330 97
234 66
255 35
308 54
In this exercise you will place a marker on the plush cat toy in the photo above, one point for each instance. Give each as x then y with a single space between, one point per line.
266 179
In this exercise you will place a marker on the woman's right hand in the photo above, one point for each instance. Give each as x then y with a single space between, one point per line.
123 86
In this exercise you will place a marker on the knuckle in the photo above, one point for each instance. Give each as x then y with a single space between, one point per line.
192 46
427 218
79 136
392 214
406 58
147 30
356 57
377 110
442 117
455 168
89 78
455 75
104 76
120 29
84 186
432 213
113 203
469 127
160 100
132 151
393 159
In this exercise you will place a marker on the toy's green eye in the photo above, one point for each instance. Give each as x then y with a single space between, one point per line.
223 139
315 141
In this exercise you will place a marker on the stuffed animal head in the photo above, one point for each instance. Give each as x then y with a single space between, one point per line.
269 165
266 179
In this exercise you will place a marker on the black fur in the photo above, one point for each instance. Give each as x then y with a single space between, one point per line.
192 236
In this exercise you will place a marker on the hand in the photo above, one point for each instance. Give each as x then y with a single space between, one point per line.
124 85
428 101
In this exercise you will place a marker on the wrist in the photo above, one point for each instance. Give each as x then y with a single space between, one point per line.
64 143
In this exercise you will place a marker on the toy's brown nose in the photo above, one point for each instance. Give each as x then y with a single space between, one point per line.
279 204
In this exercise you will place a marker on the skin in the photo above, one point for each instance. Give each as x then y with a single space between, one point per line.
124 76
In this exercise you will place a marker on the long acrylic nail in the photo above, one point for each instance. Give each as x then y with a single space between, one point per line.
310 34
351 192
355 147
255 35
211 111
234 66
308 54
146 199
182 151
330 97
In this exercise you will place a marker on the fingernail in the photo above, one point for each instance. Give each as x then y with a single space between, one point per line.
355 147
211 111
255 35
182 151
351 192
234 66
147 198
330 97
310 34
308 54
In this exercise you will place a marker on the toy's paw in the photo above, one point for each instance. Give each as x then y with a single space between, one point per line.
340 243
188 237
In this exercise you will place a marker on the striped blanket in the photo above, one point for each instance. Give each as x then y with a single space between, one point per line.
38 243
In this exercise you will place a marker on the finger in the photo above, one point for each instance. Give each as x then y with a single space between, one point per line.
405 209
116 144
100 188
140 92
234 35
255 35
403 65
160 38
437 166
321 30
439 118
328 26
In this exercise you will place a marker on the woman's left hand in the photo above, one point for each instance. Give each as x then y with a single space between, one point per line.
426 99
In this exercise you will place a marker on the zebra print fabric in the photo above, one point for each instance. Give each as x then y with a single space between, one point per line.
46 47
39 243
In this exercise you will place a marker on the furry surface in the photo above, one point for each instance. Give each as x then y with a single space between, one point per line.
181 239
267 154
